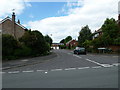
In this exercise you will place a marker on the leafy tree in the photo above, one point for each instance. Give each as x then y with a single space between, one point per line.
9 44
110 28
117 41
68 38
84 34
36 41
111 32
48 39
87 43
62 41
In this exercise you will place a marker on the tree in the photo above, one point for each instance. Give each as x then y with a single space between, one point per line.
9 44
48 39
111 32
110 28
36 41
68 38
62 41
84 34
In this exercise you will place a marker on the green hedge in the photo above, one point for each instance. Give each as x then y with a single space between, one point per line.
32 43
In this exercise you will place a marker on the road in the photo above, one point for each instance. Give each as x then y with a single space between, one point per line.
66 71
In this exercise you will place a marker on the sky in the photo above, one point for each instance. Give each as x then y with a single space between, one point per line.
60 19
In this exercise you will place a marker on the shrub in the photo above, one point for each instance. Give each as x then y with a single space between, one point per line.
36 41
23 51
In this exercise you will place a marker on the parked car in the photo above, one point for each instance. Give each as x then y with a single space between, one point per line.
79 50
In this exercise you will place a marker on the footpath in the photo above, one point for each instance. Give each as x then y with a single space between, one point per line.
24 62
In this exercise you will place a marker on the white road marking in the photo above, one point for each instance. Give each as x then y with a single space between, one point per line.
102 65
25 60
116 64
70 69
28 71
46 72
97 67
4 68
107 65
56 69
14 72
2 72
94 62
83 67
40 70
77 56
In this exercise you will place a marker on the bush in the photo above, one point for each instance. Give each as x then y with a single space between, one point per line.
9 44
23 51
32 43
36 41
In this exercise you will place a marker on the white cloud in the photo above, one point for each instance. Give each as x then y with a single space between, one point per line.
6 7
86 12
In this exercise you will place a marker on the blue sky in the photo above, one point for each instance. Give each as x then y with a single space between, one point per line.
41 10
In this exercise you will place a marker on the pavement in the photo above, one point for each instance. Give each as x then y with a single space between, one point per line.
28 61
66 70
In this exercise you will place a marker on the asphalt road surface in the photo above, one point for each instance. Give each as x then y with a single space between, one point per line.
66 71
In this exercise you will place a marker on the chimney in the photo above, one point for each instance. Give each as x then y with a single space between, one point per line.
18 21
13 24
13 17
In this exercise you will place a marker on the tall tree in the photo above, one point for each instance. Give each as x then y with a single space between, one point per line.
62 41
111 31
84 34
110 28
48 39
68 38
36 41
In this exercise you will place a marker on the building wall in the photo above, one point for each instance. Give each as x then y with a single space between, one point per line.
8 29
19 31
55 46
0 28
72 43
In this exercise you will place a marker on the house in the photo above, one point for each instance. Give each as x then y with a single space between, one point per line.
56 45
72 43
10 26
97 33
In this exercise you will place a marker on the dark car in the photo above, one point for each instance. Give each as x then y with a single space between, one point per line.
79 50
